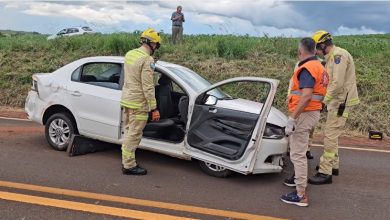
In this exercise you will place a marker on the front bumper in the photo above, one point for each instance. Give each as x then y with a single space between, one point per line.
269 159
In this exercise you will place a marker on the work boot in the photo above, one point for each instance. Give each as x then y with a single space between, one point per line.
335 172
290 182
320 179
308 155
134 171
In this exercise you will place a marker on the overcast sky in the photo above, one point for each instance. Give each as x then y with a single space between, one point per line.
239 17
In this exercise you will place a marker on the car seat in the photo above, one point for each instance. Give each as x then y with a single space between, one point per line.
164 98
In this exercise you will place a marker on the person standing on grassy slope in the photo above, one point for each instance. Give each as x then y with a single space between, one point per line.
138 98
308 89
342 94
177 25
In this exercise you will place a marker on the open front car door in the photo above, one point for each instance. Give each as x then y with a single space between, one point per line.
226 130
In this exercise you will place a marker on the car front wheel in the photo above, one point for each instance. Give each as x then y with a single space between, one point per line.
214 170
58 130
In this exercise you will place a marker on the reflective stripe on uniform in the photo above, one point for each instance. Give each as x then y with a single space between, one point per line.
141 117
329 154
313 97
353 102
141 52
152 104
127 153
133 55
132 105
328 97
345 114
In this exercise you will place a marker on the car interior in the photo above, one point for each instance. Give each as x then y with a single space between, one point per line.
173 106
220 131
172 101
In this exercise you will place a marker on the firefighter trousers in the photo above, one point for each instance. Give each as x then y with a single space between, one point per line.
134 123
334 127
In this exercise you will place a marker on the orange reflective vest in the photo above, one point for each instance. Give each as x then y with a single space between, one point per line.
321 78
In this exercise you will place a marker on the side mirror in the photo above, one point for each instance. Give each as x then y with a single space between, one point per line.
211 100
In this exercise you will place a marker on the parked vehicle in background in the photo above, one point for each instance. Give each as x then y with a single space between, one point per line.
71 32
199 120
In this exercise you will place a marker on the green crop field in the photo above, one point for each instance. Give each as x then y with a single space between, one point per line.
214 57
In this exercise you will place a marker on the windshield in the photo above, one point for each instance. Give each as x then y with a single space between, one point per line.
196 82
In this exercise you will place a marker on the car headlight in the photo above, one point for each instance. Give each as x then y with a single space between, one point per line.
273 132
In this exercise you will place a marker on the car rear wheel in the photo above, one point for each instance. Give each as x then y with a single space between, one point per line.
58 130
214 170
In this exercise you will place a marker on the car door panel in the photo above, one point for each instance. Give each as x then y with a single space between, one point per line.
228 131
97 108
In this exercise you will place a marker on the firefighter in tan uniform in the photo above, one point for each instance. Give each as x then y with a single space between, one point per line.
138 98
340 97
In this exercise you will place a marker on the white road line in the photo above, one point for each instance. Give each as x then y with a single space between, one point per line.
356 148
15 119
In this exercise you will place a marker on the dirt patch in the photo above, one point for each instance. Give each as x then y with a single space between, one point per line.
357 141
9 112
6 131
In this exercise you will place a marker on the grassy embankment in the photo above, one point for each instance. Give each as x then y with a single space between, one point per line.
214 57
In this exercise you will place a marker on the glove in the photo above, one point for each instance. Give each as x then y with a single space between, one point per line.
155 115
290 127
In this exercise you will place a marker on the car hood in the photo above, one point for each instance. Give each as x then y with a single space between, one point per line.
275 116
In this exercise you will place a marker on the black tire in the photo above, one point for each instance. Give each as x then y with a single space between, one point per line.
214 170
62 135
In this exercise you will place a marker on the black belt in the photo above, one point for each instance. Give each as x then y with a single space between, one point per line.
177 25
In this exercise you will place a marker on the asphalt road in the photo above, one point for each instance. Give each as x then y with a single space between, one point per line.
33 178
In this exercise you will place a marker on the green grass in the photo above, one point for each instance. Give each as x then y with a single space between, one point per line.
214 57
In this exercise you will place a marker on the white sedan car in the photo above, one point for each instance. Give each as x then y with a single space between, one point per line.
199 121
71 32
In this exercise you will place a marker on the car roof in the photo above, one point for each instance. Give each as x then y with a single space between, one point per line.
121 59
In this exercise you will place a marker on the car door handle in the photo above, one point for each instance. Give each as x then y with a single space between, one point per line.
213 110
76 93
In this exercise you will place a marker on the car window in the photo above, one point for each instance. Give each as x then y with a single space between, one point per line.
86 28
76 74
175 86
253 91
196 82
101 74
62 32
72 30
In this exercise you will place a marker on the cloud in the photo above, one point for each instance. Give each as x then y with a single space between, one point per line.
209 19
97 12
253 17
275 13
355 31
352 14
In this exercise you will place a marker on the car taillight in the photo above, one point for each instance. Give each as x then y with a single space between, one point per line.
34 86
